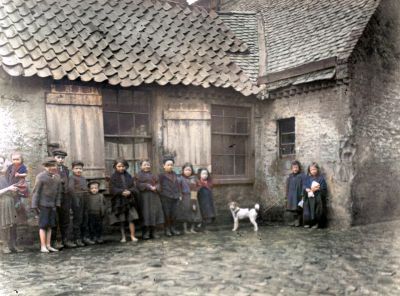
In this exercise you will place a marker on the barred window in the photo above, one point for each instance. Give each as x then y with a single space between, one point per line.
287 136
230 128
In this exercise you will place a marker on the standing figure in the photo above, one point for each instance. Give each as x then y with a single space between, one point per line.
189 212
123 202
46 197
294 193
170 195
315 191
78 191
64 211
149 200
205 197
96 209
8 223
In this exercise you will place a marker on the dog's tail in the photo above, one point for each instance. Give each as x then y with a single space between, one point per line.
257 207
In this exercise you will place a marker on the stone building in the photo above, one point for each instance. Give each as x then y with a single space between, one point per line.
242 91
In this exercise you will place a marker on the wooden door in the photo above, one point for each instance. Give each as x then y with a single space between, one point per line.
74 118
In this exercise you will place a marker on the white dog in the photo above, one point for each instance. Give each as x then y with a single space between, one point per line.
239 214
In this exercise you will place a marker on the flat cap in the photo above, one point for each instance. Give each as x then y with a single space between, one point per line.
77 162
49 161
59 152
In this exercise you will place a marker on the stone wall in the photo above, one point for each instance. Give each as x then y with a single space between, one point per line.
322 134
375 92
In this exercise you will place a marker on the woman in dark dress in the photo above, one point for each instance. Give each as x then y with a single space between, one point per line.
205 197
189 211
149 200
124 192
315 192
8 214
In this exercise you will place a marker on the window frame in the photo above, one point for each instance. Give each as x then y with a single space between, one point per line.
248 137
281 134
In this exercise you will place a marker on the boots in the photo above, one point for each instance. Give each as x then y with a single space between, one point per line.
185 229
153 233
146 233
174 231
167 227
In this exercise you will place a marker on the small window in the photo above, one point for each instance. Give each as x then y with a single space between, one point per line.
287 137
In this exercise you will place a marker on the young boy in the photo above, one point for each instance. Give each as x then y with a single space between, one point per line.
170 195
78 191
96 208
46 197
63 213
294 193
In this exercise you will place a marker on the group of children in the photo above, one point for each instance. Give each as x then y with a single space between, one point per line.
154 200
306 196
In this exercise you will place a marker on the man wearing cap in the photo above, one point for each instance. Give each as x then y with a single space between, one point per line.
63 213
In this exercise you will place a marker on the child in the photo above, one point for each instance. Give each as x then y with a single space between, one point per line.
150 204
170 196
8 223
78 191
315 190
205 197
46 197
63 212
16 174
96 209
123 202
190 210
294 193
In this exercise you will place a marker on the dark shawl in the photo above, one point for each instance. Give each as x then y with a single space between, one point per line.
118 183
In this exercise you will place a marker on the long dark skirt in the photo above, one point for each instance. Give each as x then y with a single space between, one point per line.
186 212
206 202
151 209
314 210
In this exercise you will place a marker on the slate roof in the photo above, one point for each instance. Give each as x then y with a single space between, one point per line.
124 42
302 31
245 27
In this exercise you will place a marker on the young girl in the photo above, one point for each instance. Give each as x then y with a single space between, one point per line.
294 193
8 223
315 191
149 201
16 174
189 212
205 197
123 189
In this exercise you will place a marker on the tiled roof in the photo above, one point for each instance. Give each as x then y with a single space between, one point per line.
245 27
124 42
303 31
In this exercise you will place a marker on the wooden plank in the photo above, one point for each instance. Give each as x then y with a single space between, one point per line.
297 71
74 99
186 115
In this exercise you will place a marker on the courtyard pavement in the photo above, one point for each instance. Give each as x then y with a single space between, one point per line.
277 260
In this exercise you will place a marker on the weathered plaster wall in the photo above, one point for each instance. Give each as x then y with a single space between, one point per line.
375 92
322 126
22 119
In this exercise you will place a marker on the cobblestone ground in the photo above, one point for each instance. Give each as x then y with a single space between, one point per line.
276 261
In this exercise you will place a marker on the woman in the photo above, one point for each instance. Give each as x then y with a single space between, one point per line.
8 215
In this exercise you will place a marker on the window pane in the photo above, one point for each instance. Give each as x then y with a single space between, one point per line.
229 125
240 165
287 149
228 163
109 167
230 111
217 165
111 148
125 100
217 110
286 125
141 102
241 125
287 138
217 124
240 145
142 150
110 123
229 144
141 124
109 99
217 144
126 124
126 149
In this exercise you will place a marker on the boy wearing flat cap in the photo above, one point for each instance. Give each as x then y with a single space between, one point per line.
63 213
78 191
46 197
